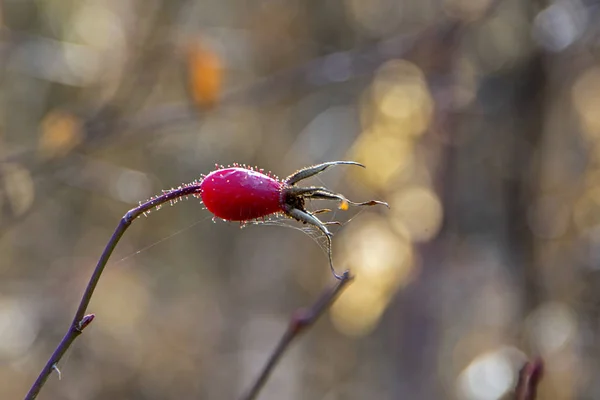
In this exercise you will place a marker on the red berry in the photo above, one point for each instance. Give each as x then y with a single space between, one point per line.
239 194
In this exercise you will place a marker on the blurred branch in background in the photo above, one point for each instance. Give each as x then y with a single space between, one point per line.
301 320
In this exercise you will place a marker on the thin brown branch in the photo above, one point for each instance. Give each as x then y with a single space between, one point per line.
301 320
81 320
529 378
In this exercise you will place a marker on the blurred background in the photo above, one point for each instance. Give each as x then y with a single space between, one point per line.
478 120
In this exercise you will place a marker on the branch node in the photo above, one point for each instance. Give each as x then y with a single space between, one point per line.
130 216
300 319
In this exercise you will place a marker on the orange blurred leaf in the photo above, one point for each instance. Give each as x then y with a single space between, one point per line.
205 73
60 133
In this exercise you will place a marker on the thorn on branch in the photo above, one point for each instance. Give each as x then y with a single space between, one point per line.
85 321
55 368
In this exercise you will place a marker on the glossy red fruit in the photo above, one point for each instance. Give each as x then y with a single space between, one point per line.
240 194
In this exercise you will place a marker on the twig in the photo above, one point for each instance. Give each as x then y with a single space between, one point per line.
529 378
81 321
299 322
